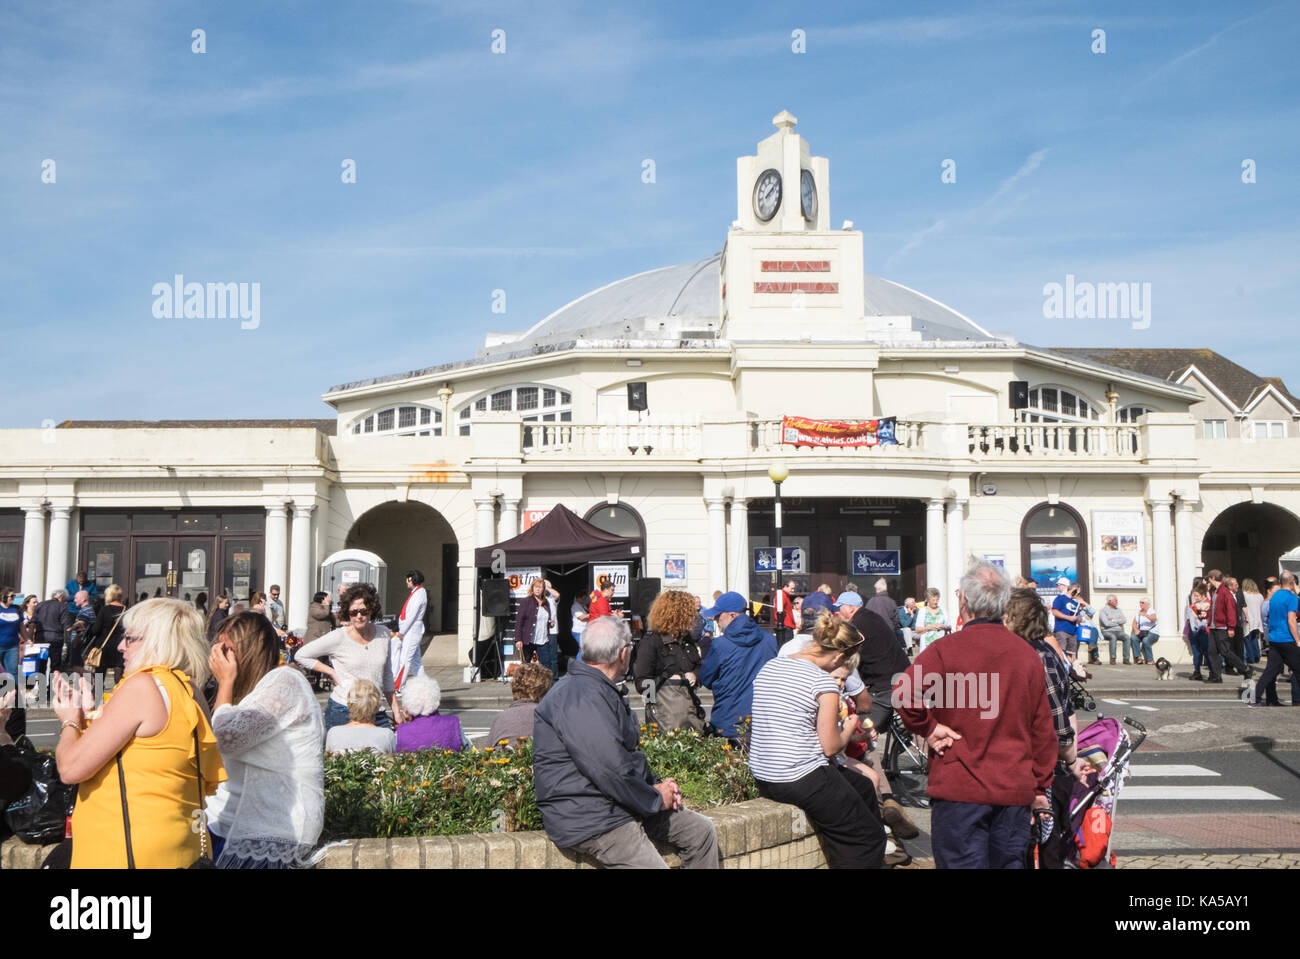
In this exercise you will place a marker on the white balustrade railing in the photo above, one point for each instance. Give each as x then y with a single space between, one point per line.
582 441
1022 441
985 442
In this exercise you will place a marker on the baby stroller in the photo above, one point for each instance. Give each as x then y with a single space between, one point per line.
1080 698
1084 815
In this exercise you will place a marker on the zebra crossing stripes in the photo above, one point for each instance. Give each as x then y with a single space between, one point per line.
1178 792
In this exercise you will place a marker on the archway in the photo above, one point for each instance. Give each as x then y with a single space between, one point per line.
1248 539
413 536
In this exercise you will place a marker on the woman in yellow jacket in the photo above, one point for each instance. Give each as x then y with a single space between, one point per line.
140 750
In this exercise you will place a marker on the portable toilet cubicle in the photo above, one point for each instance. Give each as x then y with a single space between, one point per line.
349 566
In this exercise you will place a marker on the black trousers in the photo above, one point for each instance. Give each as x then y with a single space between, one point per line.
1278 653
842 805
1221 645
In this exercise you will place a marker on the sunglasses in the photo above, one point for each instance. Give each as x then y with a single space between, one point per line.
358 612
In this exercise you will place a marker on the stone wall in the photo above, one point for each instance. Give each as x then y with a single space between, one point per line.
758 834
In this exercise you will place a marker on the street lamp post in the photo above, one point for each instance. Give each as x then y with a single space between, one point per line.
777 472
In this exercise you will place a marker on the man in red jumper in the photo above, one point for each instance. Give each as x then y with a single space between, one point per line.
1221 622
979 696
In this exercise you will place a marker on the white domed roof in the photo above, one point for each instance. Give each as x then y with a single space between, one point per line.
675 300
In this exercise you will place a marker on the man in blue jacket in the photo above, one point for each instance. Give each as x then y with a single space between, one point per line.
733 660
595 789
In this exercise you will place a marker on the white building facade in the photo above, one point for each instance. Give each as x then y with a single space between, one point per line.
1108 474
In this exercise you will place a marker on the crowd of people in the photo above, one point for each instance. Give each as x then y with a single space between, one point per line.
211 717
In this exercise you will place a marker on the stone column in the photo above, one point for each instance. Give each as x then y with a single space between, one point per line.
934 555
300 573
956 547
509 525
33 578
741 561
717 547
485 532
1184 557
57 573
1162 568
276 559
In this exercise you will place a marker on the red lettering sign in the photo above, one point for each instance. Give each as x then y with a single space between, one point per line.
796 266
786 286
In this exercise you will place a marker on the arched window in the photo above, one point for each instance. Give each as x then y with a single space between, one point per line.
618 519
1130 414
1053 404
1054 544
410 419
536 403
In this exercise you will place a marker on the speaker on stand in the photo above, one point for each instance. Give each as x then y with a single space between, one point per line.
494 601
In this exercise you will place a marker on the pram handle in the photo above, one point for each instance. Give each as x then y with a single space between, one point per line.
1130 721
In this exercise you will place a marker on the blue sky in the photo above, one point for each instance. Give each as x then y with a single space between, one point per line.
522 172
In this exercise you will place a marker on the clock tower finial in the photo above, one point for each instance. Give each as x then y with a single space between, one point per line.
784 120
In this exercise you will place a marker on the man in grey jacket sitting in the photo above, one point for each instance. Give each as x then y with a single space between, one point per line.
1112 621
594 787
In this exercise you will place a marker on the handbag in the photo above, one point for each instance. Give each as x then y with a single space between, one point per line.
94 656
205 857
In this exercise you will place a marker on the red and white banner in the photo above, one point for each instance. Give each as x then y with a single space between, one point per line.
799 431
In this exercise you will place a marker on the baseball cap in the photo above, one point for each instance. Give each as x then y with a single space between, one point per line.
726 603
848 599
816 601
1062 582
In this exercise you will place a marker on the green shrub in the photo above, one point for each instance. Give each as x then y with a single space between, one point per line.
440 793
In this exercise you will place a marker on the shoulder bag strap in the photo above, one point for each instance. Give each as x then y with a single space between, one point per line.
126 817
198 769
111 630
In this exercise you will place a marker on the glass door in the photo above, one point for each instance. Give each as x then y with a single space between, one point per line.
152 561
103 560
241 567
196 563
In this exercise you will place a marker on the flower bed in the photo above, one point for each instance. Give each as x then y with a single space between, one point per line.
441 793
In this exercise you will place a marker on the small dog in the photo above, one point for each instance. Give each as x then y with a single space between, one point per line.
1163 669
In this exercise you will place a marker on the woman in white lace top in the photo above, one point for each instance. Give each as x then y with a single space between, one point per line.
269 812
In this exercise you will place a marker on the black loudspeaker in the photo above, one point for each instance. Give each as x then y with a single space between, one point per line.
1018 394
643 596
496 597
636 397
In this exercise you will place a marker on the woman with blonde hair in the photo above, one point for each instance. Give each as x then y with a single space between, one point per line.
1254 627
796 733
360 732
269 812
147 761
668 663
105 633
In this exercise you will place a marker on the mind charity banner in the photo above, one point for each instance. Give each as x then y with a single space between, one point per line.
801 431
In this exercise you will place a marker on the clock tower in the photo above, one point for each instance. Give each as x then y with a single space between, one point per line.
786 275
792 287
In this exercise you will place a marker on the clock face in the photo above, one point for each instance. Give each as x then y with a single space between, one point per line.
808 195
767 195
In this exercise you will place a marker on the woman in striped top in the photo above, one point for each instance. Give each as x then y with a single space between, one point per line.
795 733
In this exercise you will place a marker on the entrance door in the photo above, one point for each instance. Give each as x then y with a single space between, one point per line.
450 586
196 561
150 562
241 567
103 559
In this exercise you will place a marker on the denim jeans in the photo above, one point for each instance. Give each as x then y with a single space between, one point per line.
1142 647
548 656
9 661
1111 636
1200 649
338 715
1252 646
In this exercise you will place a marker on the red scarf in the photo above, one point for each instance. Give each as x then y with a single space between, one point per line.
402 615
